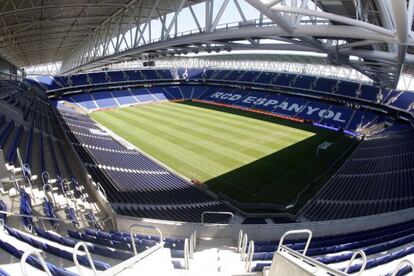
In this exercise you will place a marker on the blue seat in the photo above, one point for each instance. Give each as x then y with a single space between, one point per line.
26 209
49 211
5 133
72 216
34 261
94 249
55 251
11 156
3 207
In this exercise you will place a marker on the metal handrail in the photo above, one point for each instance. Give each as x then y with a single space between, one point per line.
239 240
293 232
186 255
36 252
216 212
51 192
310 261
243 247
403 262
88 255
100 188
45 177
29 182
364 261
14 180
194 240
114 270
64 192
191 252
47 218
133 226
26 170
66 183
250 253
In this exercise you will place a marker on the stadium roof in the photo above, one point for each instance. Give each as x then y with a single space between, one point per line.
43 31
89 33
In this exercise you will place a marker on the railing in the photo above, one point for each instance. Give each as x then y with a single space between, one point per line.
36 252
130 262
245 256
137 257
399 266
48 187
217 213
239 240
131 234
63 184
249 259
243 247
8 76
295 232
13 179
41 219
318 268
193 243
102 190
364 262
309 261
88 255
186 254
45 177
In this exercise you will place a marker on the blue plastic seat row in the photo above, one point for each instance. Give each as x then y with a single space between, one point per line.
49 211
141 241
355 239
5 133
376 178
383 259
3 207
102 241
94 249
11 156
91 217
99 265
28 151
72 216
369 250
26 209
34 261
148 237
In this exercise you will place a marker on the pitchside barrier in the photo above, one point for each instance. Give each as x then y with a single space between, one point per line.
269 231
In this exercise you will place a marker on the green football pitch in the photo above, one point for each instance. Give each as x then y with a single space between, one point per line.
250 157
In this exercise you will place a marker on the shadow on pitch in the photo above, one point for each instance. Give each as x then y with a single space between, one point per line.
279 177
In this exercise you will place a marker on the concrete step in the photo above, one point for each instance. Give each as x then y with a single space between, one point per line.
158 263
216 257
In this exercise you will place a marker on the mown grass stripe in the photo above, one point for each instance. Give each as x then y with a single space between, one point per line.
254 146
221 154
238 121
212 158
250 124
241 133
160 148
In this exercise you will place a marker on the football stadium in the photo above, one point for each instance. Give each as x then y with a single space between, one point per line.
207 137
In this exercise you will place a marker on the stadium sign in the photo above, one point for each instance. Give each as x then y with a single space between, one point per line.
277 105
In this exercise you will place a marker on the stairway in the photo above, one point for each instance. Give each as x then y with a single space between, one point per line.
158 263
216 257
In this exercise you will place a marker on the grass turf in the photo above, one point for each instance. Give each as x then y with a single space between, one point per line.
249 157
